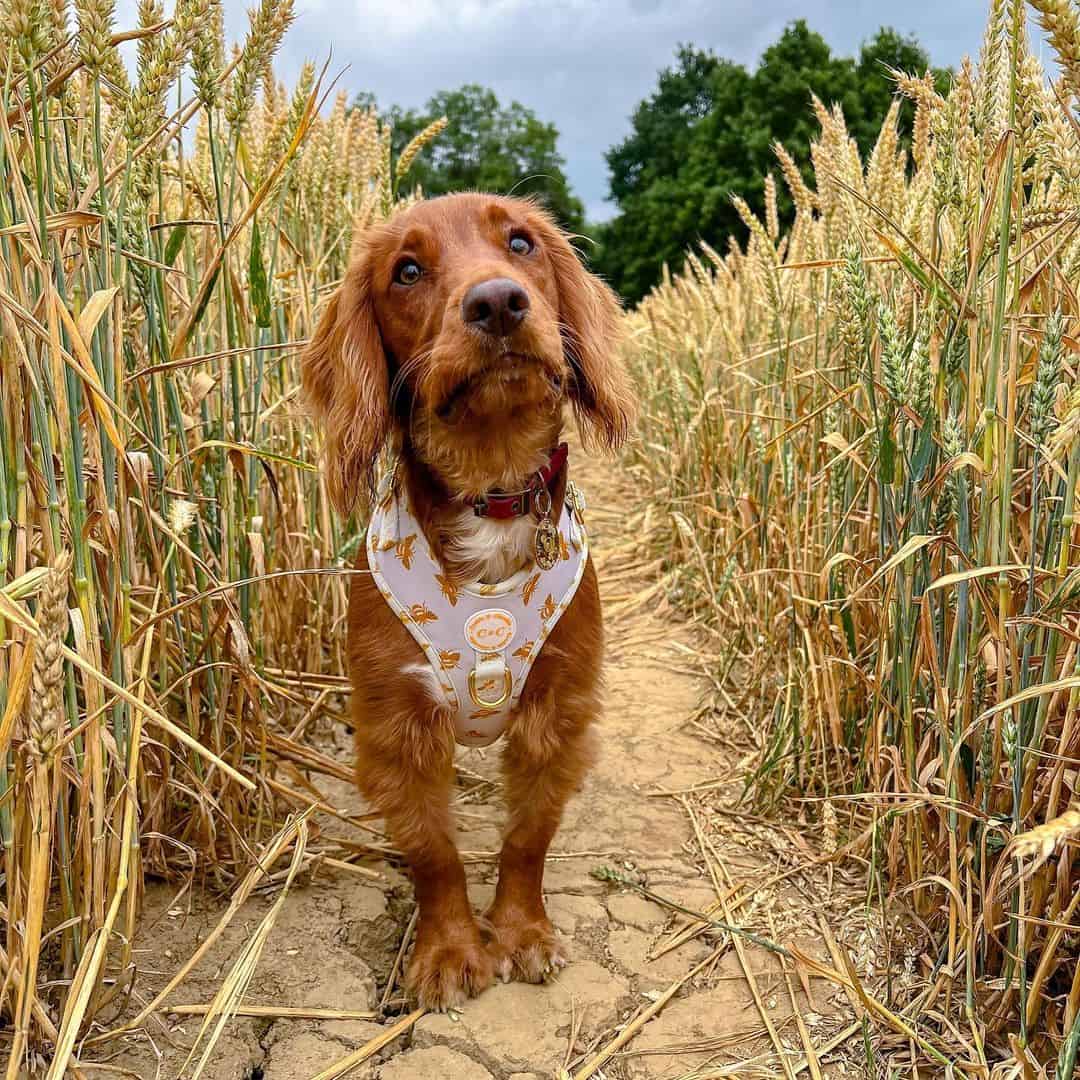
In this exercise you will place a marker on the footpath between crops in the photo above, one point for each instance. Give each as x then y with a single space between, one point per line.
651 992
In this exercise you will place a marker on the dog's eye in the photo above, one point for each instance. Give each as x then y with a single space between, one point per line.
520 245
408 273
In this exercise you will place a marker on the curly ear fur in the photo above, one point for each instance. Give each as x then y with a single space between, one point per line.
346 381
592 329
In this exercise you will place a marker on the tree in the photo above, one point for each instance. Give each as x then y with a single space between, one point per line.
663 125
671 177
488 147
708 130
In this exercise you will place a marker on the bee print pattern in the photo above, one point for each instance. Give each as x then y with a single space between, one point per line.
421 613
529 588
448 588
403 550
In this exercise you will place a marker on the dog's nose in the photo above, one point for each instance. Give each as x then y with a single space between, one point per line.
496 307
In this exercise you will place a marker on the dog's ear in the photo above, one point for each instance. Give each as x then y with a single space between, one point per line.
346 381
591 320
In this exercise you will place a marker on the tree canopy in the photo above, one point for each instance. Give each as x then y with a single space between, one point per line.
488 147
707 132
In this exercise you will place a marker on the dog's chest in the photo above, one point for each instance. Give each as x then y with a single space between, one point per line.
487 549
480 640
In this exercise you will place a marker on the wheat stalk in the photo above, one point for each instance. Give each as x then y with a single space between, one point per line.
910 623
150 434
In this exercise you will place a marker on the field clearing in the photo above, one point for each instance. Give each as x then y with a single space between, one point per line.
855 474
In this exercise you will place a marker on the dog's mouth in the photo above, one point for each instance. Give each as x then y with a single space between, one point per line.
510 374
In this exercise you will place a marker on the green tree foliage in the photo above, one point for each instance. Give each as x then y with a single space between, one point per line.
488 147
707 132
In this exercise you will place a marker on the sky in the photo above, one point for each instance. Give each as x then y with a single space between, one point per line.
580 64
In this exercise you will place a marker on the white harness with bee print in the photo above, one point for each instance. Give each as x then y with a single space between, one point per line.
480 639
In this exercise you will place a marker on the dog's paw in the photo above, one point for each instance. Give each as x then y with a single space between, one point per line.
445 974
525 949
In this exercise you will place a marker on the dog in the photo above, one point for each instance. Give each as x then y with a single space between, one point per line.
464 331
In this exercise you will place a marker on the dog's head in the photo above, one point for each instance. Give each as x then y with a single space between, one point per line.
463 325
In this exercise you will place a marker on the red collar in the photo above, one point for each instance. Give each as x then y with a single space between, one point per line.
501 505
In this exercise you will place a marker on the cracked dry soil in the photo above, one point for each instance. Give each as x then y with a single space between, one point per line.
337 936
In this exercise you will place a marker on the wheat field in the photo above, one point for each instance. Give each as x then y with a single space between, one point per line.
863 436
860 441
168 558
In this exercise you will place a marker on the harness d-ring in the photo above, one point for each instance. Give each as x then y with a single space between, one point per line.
508 685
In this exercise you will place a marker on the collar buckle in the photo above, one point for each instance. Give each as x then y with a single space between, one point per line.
520 503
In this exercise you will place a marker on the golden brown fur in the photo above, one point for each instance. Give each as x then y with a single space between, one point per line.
467 411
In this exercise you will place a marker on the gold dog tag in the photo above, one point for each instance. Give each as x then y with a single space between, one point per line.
546 541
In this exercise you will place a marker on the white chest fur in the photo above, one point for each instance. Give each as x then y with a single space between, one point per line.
487 549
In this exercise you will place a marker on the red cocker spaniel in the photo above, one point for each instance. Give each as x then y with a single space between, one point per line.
463 328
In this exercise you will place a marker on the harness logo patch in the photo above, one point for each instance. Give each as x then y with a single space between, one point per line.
491 630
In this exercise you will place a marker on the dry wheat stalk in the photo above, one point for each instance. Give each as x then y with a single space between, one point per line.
853 438
152 432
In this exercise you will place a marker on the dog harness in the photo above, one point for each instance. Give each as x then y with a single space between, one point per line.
480 639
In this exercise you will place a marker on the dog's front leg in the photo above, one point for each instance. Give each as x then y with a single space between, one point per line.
548 751
405 767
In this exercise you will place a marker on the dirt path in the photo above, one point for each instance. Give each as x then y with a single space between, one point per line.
337 936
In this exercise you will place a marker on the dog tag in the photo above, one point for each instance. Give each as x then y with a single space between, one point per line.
576 497
546 541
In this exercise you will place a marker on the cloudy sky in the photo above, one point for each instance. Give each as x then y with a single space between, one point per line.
582 64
